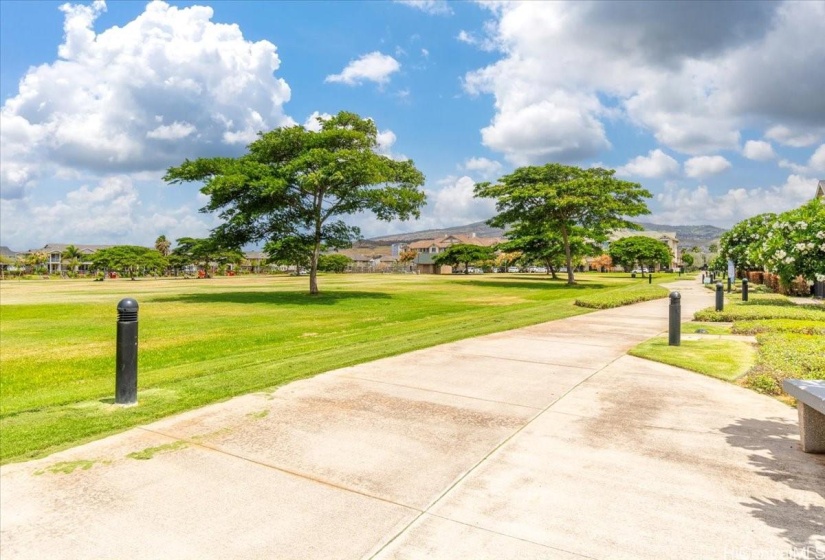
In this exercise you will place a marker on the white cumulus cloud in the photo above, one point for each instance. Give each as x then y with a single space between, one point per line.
704 166
655 164
313 121
482 167
373 67
433 7
174 131
758 150
817 161
790 137
700 206
687 79
454 204
119 100
110 211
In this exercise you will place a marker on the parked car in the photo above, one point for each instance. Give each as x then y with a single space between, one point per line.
513 269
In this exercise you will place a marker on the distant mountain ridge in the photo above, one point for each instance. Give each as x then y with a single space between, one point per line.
688 235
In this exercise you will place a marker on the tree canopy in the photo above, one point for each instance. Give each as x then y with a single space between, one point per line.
203 252
296 184
463 253
128 259
638 249
545 245
333 262
562 198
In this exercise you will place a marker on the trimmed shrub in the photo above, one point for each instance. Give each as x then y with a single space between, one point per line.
622 296
799 326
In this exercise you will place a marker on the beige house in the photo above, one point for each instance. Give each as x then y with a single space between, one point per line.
435 246
428 248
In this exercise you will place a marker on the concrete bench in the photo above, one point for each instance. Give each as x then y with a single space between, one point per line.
811 404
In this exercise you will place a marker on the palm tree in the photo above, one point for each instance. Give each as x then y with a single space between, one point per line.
73 255
162 245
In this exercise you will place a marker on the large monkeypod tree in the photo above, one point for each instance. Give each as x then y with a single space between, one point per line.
294 185
568 200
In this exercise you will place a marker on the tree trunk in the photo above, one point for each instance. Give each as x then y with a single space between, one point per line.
313 264
568 259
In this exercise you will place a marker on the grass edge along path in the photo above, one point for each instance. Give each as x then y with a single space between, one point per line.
790 343
38 431
720 358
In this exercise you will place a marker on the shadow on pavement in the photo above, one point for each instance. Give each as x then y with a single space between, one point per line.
801 524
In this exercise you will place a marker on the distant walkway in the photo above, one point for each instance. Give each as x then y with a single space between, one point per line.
546 442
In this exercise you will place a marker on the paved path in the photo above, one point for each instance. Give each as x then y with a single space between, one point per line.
546 442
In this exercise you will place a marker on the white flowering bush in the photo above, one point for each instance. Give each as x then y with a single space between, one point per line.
743 243
794 244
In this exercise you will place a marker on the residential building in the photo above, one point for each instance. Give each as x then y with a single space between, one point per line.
435 246
428 248
54 252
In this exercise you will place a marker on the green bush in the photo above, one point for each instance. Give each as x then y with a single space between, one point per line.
622 296
762 309
786 356
800 356
799 326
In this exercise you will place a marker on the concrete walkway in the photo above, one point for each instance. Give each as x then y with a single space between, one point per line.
546 442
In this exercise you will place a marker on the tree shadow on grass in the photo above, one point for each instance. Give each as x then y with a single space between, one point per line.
276 298
777 455
533 284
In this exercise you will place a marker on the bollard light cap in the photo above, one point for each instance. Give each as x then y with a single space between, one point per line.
675 295
128 305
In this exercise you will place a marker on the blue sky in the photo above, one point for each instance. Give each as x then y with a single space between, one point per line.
716 108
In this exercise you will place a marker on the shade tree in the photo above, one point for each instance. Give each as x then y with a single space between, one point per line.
567 200
294 185
129 260
333 262
640 250
205 253
464 253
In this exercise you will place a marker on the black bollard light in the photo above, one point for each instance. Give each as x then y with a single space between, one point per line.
730 283
744 289
127 352
720 296
650 278
674 331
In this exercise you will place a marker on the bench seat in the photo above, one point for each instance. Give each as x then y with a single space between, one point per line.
810 396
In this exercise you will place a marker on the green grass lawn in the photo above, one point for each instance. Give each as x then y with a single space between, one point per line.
724 359
206 340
